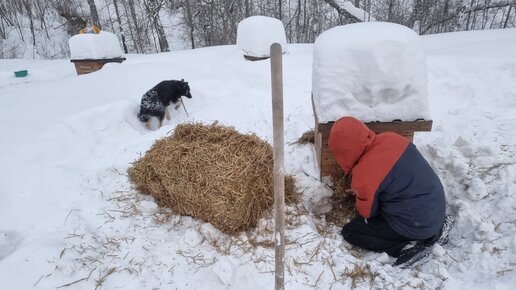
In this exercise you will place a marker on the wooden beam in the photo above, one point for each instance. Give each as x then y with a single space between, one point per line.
279 170
255 58
400 127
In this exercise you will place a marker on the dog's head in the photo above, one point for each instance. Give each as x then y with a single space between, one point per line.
185 89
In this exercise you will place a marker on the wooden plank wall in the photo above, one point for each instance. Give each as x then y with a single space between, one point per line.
326 160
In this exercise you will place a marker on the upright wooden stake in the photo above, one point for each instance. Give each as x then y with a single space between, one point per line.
279 179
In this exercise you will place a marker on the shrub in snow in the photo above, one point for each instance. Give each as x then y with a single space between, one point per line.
95 46
255 35
374 71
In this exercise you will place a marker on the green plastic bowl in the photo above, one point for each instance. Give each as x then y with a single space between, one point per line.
21 73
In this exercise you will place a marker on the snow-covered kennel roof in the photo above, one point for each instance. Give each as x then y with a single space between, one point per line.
255 35
103 45
374 71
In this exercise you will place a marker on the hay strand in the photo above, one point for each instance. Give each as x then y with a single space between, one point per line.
307 138
343 202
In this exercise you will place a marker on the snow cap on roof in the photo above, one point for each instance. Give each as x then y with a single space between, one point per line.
374 71
100 45
255 35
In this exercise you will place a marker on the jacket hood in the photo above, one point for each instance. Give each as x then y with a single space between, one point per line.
349 139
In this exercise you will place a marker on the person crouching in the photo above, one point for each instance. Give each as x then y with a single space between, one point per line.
399 197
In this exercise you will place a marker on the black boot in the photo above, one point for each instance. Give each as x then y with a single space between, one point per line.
449 222
414 254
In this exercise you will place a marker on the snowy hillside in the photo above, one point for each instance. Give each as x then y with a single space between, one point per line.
70 219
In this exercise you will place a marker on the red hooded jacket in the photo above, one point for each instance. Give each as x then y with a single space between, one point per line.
389 177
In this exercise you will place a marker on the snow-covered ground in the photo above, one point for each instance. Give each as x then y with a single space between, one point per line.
69 218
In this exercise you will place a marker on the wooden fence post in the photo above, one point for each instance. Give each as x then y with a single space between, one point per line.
279 172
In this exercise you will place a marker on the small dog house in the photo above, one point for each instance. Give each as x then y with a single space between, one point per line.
91 51
373 71
256 34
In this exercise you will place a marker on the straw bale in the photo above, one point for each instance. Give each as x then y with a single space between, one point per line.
213 173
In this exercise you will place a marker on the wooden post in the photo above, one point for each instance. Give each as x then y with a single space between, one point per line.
279 172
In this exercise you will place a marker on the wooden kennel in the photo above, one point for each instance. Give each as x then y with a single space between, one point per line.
326 162
86 66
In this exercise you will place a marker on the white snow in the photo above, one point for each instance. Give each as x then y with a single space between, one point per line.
69 214
255 35
374 71
9 240
355 11
95 46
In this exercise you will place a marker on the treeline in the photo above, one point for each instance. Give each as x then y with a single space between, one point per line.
41 28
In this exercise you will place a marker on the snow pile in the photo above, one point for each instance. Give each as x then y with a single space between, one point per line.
95 46
373 71
256 34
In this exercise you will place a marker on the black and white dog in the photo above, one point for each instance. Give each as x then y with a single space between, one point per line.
155 102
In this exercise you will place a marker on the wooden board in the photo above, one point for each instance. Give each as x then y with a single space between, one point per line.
255 58
401 127
85 66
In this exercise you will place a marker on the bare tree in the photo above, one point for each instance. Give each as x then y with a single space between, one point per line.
137 37
214 22
470 13
121 29
94 14
346 17
74 20
417 16
28 9
508 16
390 10
190 24
154 8
280 10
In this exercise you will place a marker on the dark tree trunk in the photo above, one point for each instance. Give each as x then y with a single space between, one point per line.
390 10
190 23
138 32
94 14
280 9
162 38
117 12
247 8
507 18
345 15
417 16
